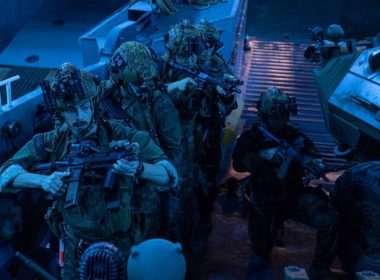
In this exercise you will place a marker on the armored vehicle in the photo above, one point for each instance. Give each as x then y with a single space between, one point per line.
348 82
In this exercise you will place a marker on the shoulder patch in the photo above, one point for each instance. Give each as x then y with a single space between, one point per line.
39 143
44 142
119 62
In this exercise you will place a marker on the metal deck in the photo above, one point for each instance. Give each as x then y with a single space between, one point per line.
281 64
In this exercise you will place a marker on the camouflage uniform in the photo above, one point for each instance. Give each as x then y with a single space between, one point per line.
215 108
272 200
149 109
182 40
90 221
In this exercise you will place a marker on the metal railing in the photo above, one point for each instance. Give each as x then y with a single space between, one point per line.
7 83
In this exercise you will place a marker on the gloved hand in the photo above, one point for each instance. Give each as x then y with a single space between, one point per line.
222 92
108 84
269 154
315 166
181 85
229 77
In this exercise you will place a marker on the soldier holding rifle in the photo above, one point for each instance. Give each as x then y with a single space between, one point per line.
277 154
89 213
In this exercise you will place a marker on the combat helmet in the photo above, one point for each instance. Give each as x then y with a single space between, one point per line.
183 39
133 63
334 32
276 103
210 34
70 86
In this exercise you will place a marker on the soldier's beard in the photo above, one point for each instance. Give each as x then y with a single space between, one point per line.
80 124
82 127
83 131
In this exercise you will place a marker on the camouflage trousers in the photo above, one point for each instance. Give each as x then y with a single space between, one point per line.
172 208
162 212
209 155
189 218
146 200
307 205
188 206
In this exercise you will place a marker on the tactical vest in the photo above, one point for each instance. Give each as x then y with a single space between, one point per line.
91 219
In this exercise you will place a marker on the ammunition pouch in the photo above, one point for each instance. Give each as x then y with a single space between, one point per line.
91 221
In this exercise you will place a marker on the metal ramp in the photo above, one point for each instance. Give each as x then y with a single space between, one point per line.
280 63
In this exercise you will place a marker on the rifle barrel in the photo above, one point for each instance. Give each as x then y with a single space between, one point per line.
207 78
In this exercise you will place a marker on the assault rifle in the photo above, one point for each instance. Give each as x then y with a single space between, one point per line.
228 83
85 157
288 154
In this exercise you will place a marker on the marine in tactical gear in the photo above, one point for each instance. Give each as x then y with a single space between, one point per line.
276 195
73 93
183 44
216 105
210 38
136 89
141 94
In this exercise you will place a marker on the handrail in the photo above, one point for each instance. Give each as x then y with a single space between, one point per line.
7 83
